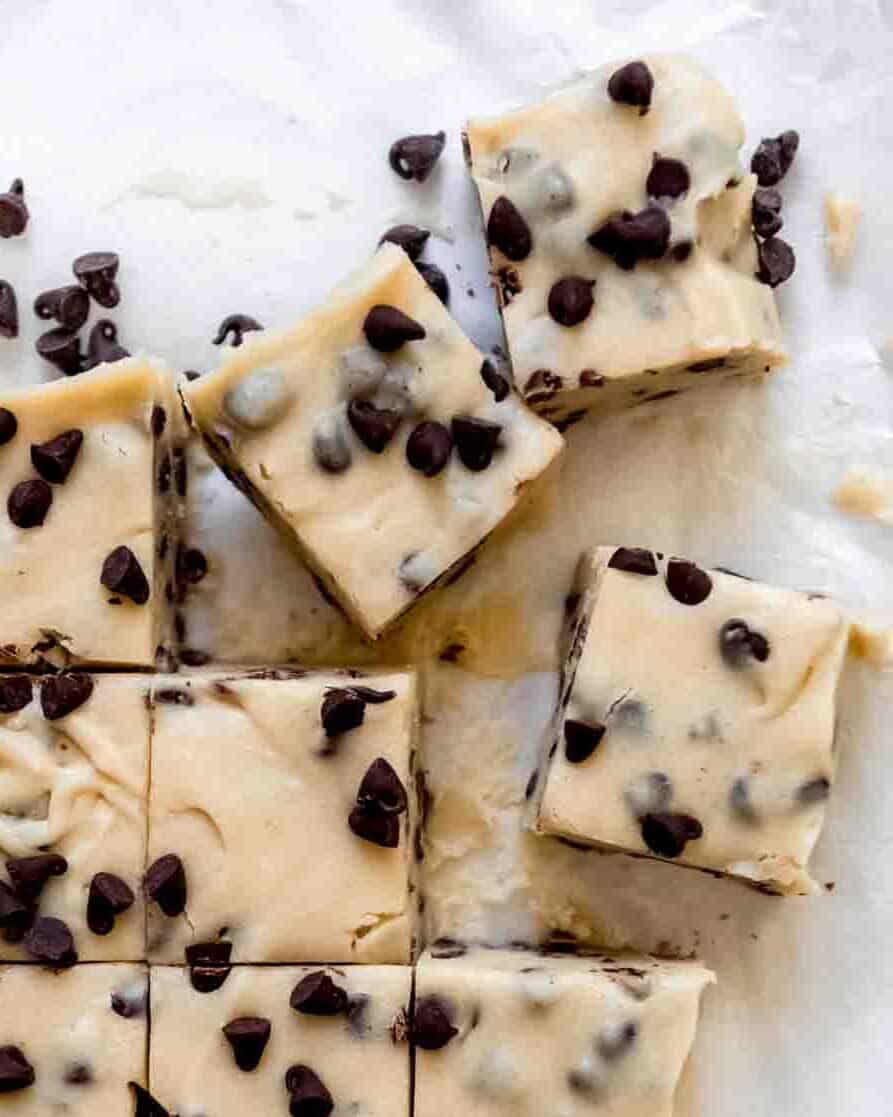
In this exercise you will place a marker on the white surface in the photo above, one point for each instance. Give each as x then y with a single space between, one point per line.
234 153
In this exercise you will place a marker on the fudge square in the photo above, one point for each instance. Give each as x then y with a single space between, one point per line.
74 767
92 475
72 1041
620 238
499 1031
696 720
280 1039
281 817
377 437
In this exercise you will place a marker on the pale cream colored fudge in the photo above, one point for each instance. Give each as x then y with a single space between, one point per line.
79 1035
92 478
256 781
529 1034
358 1052
566 166
318 426
696 720
74 761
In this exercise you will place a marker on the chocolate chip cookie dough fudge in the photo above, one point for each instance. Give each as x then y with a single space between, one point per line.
92 475
619 224
72 1041
376 436
696 720
74 760
281 818
304 1040
522 1033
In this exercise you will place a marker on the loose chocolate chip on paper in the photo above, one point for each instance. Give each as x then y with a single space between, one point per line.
62 349
16 917
774 156
668 178
96 272
13 211
775 261
342 710
428 448
102 345
410 238
238 325
432 1024
70 306
632 84
738 643
508 231
766 211
633 560
9 310
814 791
475 440
61 695
687 582
248 1037
381 789
435 278
495 381
54 460
30 874
165 884
16 1073
387 328
15 693
416 156
374 426
570 300
109 896
308 1097
49 941
375 826
667 834
581 739
629 237
145 1104
123 574
318 995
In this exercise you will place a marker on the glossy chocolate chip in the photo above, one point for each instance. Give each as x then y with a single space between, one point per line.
775 261
432 1024
62 349
629 237
102 345
375 826
495 381
236 325
54 460
16 1073
739 644
668 178
9 425
570 300
29 875
774 156
70 306
410 238
387 328
414 157
428 448
13 211
318 995
248 1037
96 272
617 1041
49 941
15 693
766 211
814 791
581 739
342 710
687 583
16 917
633 85
381 789
192 565
308 1097
435 278
108 897
475 441
61 695
508 231
667 834
165 884
634 560
123 574
144 1104
374 426
208 965
9 310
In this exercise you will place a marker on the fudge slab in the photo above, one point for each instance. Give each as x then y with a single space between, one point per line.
376 530
257 799
359 1053
74 784
697 718
110 462
83 1032
524 1033
569 164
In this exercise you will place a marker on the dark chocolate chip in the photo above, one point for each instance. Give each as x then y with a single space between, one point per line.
308 1097
495 381
766 211
238 325
191 374
738 643
416 156
508 284
317 995
342 709
102 345
789 143
409 237
15 693
61 695
96 273
70 306
376 827
387 328
629 237
687 583
16 917
589 378
435 278
633 560
208 978
16 1073
49 941
109 896
9 310
122 574
55 459
62 349
775 261
508 231
428 448
581 739
681 250
144 1104
165 884
381 789
668 178
814 791
475 440
78 1074
632 85
192 565
30 874
248 1037
667 834
13 211
616 1042
374 426
432 1024
773 157
356 1015
372 696
159 420
570 300
129 1006
9 424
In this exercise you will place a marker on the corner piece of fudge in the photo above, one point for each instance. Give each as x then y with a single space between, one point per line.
696 719
93 480
376 436
618 219
499 1031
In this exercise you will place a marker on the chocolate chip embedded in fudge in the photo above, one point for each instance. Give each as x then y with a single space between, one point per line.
696 721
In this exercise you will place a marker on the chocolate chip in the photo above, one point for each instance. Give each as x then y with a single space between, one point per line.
375 826
317 995
632 85
416 156
9 425
308 1095
435 278
16 1073
814 791
667 834
145 1104
16 917
192 565
766 211
570 300
159 421
9 310
508 284
70 306
629 237
508 231
581 739
475 440
775 261
495 381
62 349
15 693
30 874
773 157
372 696
122 574
409 237
61 695
615 1042
381 789
248 1036
13 211
55 459
738 643
49 941
428 448
374 426
687 583
129 1006
342 710
633 560
109 896
165 884
432 1025
238 325
173 696
681 250
96 273
387 328
668 178
589 378
208 978
102 345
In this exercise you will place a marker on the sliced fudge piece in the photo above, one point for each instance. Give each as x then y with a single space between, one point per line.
283 1039
281 817
92 477
696 720
74 760
72 1042
509 1031
619 224
376 436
